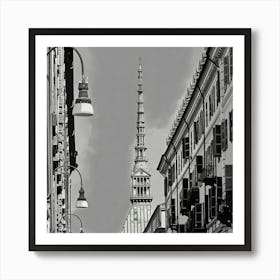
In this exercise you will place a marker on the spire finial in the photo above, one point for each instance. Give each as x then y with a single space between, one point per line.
140 63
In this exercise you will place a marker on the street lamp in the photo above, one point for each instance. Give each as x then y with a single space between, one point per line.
81 201
81 223
83 106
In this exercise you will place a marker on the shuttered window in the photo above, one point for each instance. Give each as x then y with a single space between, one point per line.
230 125
218 95
219 190
173 212
173 173
206 113
194 196
202 121
165 186
169 177
226 133
199 164
228 177
226 72
198 216
186 147
231 63
213 202
217 140
185 203
195 132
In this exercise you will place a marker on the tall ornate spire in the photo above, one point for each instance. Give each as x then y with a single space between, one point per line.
140 129
141 198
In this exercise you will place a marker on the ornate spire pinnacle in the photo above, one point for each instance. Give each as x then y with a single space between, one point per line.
141 198
140 128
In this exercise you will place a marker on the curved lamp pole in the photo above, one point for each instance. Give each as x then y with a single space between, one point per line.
81 223
81 201
83 106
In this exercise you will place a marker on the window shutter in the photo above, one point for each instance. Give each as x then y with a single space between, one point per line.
191 181
186 147
231 63
213 202
169 177
185 197
226 72
198 216
185 185
173 210
218 88
223 135
165 186
206 208
202 121
230 125
218 140
219 190
194 196
228 177
199 164
173 173
226 133
195 132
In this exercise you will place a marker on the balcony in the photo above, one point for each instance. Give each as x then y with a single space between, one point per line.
141 198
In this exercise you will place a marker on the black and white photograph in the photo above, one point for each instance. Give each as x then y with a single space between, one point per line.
140 134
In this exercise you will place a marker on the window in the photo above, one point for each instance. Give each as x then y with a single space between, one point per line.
224 135
230 125
218 140
228 69
218 88
173 212
231 63
202 124
169 177
226 72
165 186
195 132
213 202
191 143
228 177
206 113
185 205
173 173
199 164
198 216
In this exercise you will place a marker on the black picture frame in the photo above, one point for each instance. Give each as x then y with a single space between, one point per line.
33 32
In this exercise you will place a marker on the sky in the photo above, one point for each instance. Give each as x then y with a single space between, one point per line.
105 142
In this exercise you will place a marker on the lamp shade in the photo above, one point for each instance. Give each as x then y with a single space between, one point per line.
81 201
83 106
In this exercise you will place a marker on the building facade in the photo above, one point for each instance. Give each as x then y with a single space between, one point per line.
197 165
156 223
141 198
61 139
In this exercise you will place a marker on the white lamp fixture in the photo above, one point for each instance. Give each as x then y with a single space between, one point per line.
83 106
81 201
